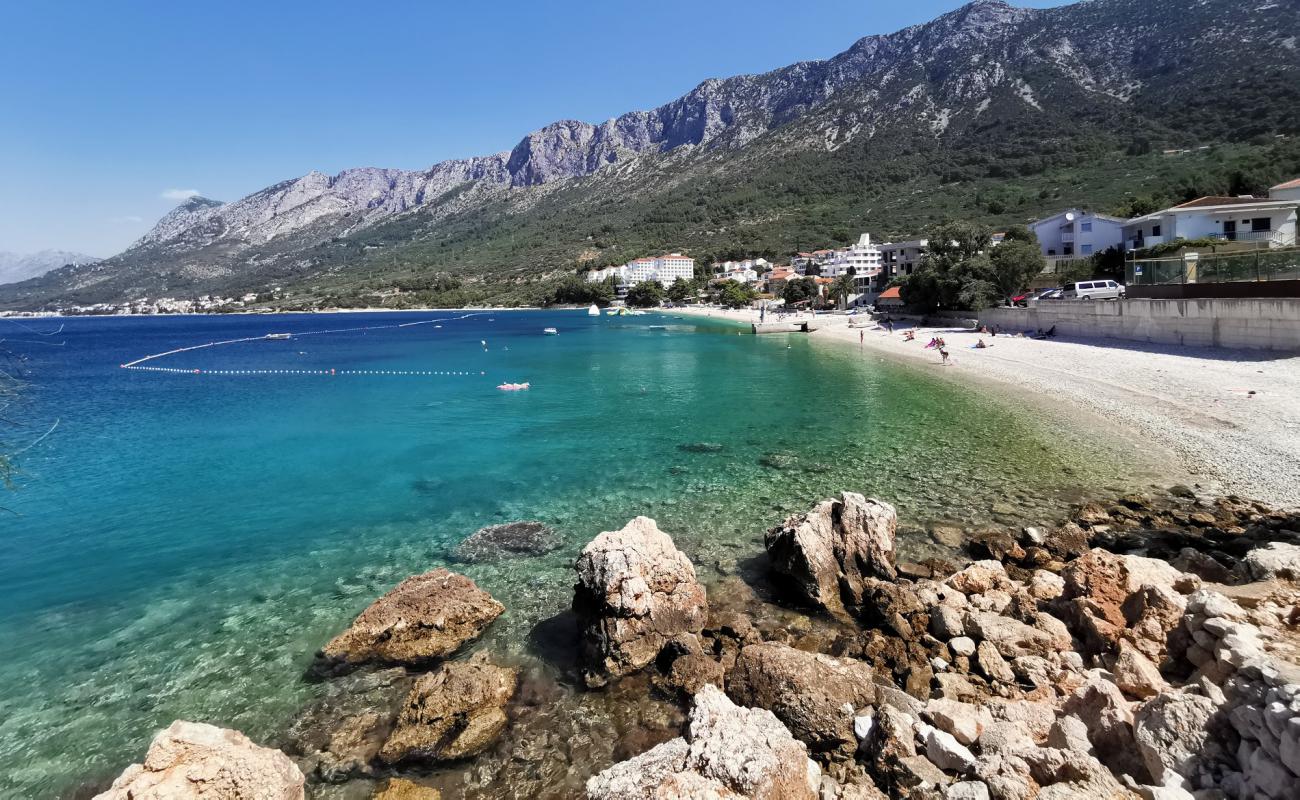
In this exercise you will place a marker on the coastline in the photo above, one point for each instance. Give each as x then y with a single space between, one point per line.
1228 417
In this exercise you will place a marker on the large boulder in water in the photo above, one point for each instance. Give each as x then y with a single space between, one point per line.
527 538
451 714
728 752
425 617
815 695
196 760
635 592
834 550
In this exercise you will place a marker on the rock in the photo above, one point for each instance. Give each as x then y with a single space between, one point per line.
728 751
1046 585
816 696
1109 720
991 663
425 617
963 720
829 551
962 646
1010 637
946 622
1067 542
204 762
967 790
979 577
1276 560
452 714
996 544
949 536
1135 675
1151 615
944 751
1070 733
528 538
1170 730
1202 565
635 592
1142 571
402 789
338 735
689 673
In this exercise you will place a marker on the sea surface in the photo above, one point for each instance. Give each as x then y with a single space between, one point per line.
181 543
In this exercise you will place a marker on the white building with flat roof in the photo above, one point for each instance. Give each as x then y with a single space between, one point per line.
665 269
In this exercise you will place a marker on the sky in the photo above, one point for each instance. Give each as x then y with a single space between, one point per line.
112 113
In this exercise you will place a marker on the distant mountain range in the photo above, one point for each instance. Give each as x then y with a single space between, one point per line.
16 267
989 112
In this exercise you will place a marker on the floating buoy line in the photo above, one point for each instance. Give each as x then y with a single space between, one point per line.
140 364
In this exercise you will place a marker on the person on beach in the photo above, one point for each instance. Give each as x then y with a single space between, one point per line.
909 335
862 337
944 355
980 345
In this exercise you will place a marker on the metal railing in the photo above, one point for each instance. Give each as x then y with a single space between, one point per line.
1277 264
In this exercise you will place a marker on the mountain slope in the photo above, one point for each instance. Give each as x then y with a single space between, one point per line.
989 111
16 267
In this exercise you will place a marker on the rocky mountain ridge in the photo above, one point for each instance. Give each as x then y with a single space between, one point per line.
1029 87
16 267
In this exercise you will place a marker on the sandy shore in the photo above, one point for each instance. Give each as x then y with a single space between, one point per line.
1232 417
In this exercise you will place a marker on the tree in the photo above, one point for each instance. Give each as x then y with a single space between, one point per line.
680 290
1012 264
645 294
579 291
953 257
797 290
841 289
734 295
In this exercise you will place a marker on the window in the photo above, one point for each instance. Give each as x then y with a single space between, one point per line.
1085 249
1155 230
1261 224
1051 252
1085 227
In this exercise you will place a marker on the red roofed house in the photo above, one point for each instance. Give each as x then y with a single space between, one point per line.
890 298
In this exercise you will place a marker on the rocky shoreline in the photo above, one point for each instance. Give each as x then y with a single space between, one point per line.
1146 647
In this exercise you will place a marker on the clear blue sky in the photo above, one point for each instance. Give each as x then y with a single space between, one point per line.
106 106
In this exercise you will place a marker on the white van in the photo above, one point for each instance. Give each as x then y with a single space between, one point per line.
1093 290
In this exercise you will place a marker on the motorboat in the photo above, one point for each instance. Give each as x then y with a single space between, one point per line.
513 387
593 311
278 336
550 331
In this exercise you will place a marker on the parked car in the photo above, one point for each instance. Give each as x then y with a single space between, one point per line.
1051 294
1037 294
1093 290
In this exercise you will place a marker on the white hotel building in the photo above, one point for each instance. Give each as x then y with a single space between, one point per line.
665 269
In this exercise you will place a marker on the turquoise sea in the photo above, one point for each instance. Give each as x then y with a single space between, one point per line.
181 544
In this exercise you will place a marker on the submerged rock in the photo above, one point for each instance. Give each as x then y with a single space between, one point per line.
452 714
402 789
196 760
834 550
635 592
425 617
702 447
528 538
727 752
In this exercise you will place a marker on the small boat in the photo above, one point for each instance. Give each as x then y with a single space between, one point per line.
593 311
550 332
513 387
279 336
658 327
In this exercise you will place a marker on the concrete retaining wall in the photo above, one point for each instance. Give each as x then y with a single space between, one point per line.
1257 324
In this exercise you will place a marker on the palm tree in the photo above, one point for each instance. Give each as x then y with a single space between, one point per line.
840 290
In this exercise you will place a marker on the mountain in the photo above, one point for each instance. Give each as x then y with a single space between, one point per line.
990 112
16 267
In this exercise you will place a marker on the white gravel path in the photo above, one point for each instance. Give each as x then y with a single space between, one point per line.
1232 417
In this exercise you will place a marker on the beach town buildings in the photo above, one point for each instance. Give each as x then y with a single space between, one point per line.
665 269
1267 222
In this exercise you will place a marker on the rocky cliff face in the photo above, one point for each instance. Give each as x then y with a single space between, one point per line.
1116 69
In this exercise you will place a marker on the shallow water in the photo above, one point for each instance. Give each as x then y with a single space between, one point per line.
182 544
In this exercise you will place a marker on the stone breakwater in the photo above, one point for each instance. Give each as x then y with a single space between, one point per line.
1142 648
